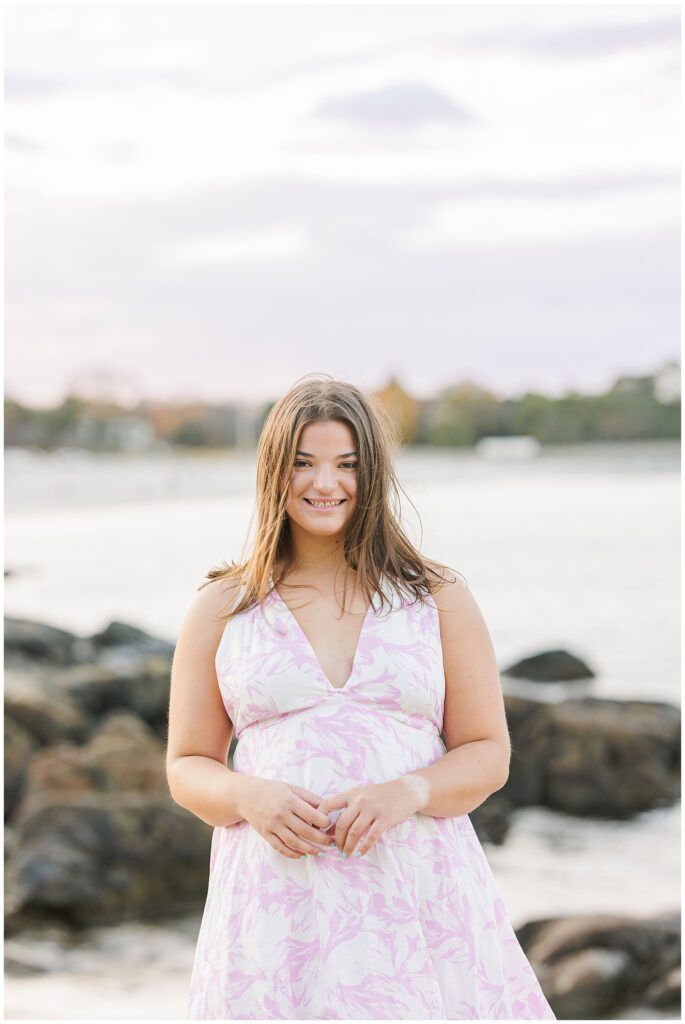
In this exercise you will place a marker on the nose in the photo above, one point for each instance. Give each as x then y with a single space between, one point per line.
324 480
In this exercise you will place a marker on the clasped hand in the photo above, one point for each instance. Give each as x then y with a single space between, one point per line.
295 821
369 811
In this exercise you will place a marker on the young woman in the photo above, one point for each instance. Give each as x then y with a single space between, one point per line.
346 879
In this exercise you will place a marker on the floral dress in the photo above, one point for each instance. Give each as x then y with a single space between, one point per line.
414 929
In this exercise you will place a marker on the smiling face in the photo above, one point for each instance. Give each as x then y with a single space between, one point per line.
323 484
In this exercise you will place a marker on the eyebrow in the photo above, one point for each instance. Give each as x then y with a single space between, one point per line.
310 456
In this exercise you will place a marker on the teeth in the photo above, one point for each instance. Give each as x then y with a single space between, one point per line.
322 504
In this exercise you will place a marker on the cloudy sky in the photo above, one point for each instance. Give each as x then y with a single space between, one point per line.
210 201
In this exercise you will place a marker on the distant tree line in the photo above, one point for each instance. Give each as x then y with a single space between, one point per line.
633 408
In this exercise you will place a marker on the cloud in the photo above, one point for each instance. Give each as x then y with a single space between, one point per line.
36 85
23 144
29 85
402 104
591 40
261 246
532 220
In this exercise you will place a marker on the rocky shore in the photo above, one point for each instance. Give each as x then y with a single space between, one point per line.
93 838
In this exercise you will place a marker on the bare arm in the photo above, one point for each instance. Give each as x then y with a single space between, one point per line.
200 730
478 747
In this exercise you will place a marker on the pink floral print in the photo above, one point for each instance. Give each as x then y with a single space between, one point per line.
416 928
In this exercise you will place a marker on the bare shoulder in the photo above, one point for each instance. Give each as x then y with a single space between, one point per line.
452 593
210 605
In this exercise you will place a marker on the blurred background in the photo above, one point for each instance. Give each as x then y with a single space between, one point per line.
471 212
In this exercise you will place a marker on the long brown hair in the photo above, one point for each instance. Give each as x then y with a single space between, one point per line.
375 545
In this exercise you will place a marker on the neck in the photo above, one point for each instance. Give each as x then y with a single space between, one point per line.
322 556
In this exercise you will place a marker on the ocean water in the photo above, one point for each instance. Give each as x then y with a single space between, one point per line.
578 548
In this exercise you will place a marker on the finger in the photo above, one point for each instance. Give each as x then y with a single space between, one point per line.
310 814
306 794
280 846
343 826
309 832
333 803
371 838
355 833
296 842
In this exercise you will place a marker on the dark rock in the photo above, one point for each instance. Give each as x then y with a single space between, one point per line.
38 642
593 756
19 745
99 689
592 966
492 819
97 836
35 701
105 857
526 721
589 983
121 634
552 666
665 993
10 842
123 754
27 641
612 759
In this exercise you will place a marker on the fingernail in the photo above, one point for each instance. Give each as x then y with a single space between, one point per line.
344 854
357 853
320 853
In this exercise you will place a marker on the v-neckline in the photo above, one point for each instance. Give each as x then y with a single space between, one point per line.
322 675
